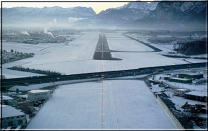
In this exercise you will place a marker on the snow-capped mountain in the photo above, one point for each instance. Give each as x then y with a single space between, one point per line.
25 14
145 6
189 7
177 12
155 14
133 14
129 12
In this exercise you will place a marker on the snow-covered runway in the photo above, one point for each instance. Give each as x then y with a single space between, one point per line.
128 104
77 56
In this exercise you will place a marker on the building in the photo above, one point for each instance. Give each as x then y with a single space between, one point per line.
6 100
36 95
179 80
180 92
12 118
196 95
190 75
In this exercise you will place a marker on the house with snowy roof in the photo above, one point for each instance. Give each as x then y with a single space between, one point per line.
196 95
36 95
190 75
7 100
178 80
180 92
12 118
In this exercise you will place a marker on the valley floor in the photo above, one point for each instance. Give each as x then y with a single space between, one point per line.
77 56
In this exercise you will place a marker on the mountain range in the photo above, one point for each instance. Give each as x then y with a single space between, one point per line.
133 14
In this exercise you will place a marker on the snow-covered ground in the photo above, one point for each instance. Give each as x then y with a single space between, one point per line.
169 47
200 88
44 85
194 89
180 101
17 74
119 42
76 56
128 104
191 86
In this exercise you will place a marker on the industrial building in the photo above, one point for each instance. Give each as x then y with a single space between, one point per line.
190 75
196 95
179 80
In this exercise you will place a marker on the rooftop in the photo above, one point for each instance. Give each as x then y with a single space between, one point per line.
191 73
38 91
8 111
176 78
181 89
6 97
197 93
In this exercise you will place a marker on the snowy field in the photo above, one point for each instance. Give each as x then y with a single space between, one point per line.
128 104
14 74
168 46
76 56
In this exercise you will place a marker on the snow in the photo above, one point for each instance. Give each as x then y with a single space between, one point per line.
156 88
8 111
197 93
21 47
6 97
127 104
201 87
38 91
193 87
128 77
141 5
168 47
176 78
76 57
43 85
180 101
120 43
191 60
17 74
23 96
182 89
165 47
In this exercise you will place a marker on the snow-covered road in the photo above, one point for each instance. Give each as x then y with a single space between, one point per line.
128 104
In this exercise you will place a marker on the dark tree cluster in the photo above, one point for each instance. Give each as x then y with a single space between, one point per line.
10 56
51 73
191 47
